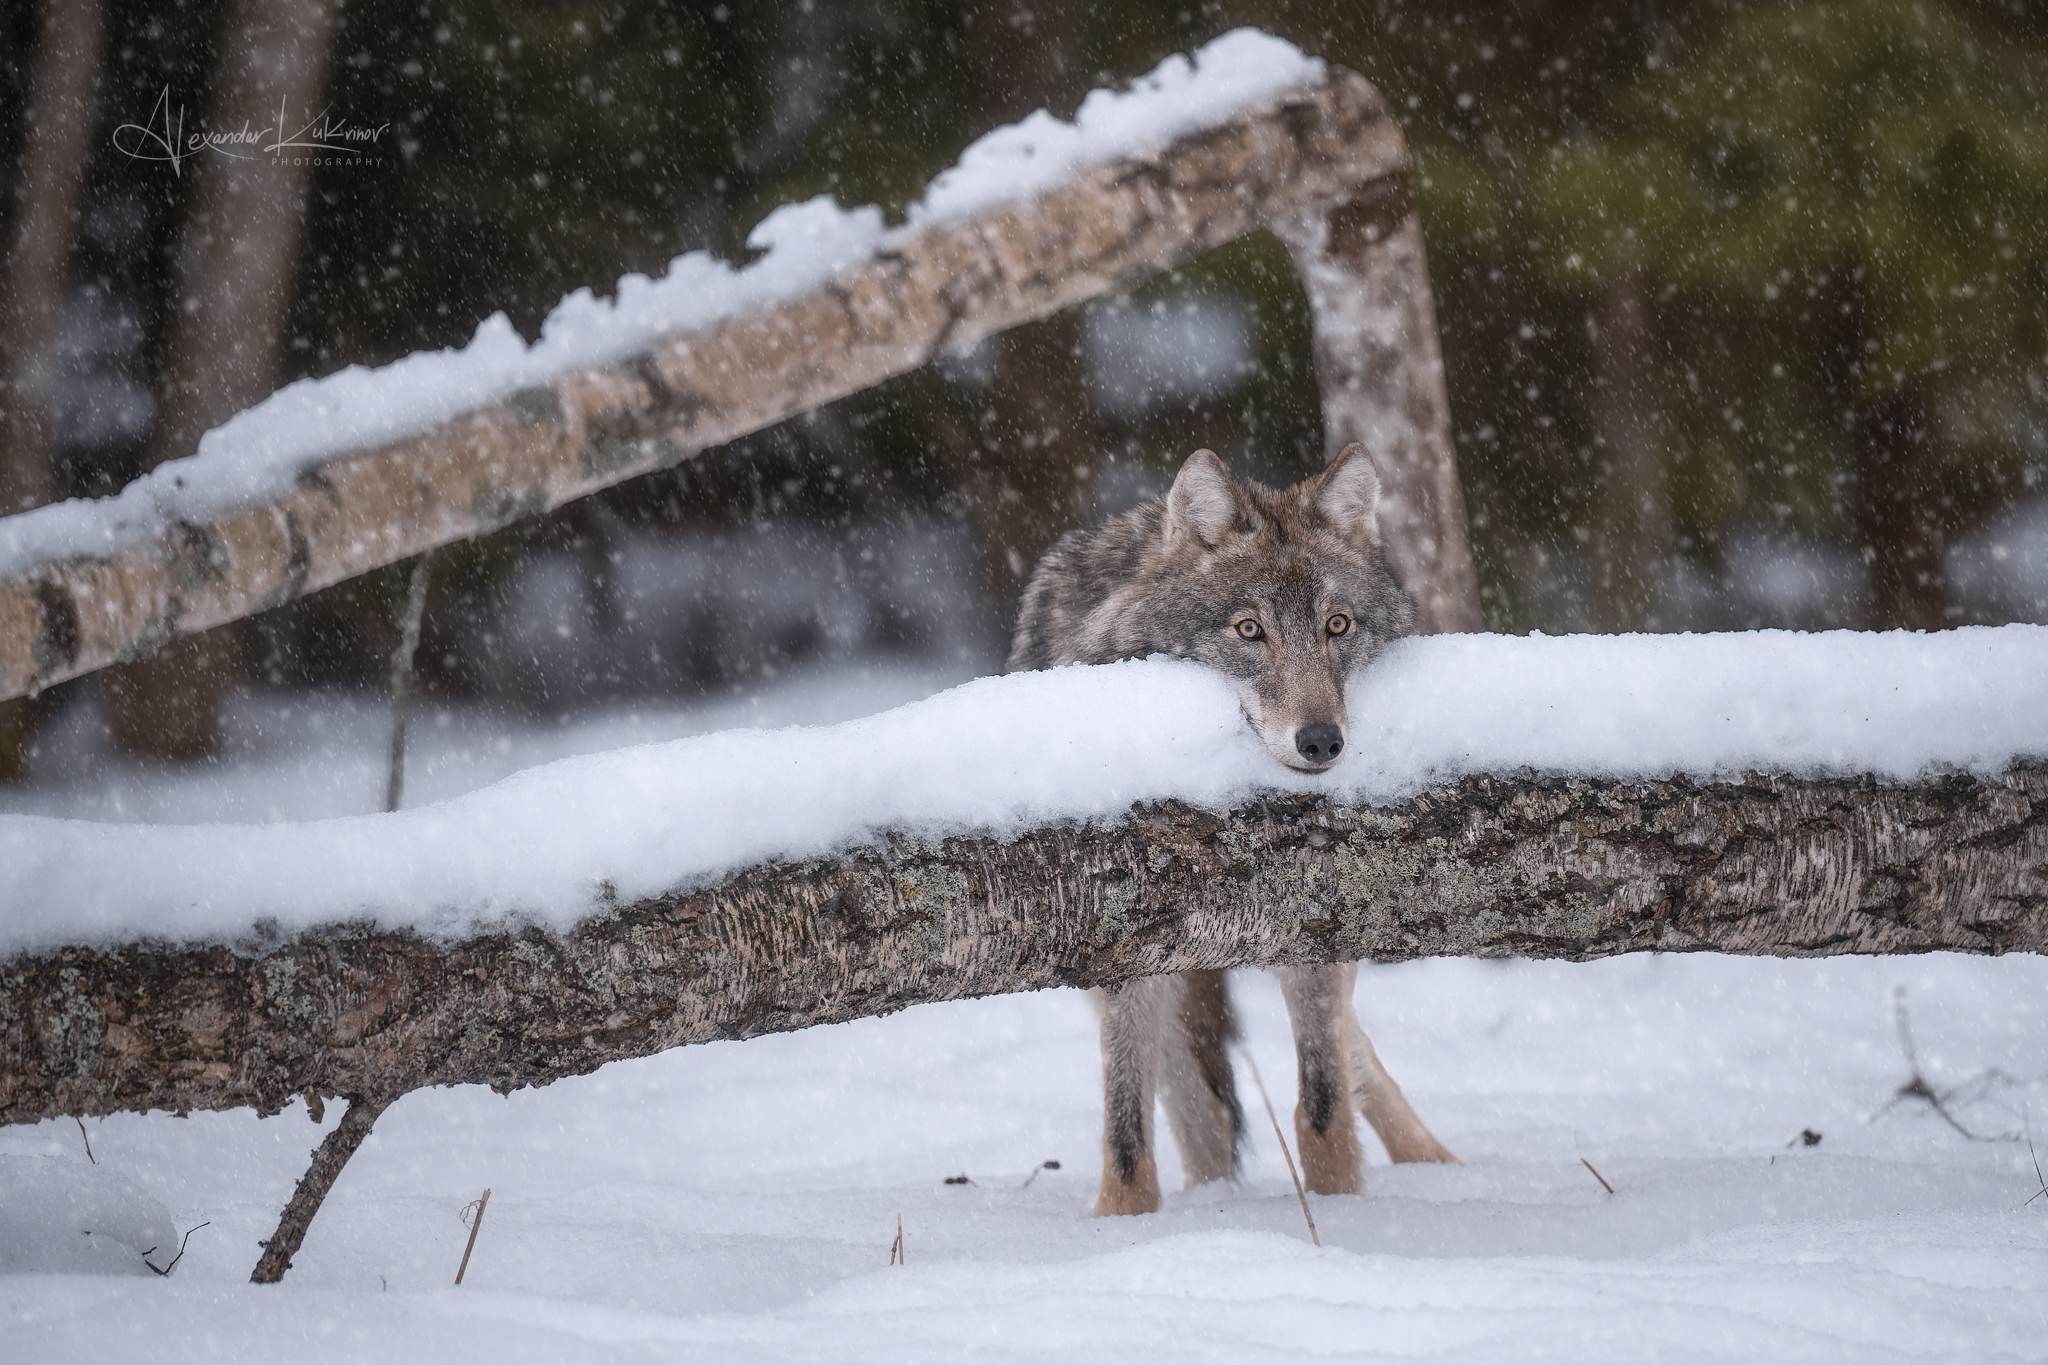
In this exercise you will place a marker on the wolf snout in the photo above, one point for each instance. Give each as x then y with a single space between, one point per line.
1319 744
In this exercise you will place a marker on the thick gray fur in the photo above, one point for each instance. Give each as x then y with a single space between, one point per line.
1183 575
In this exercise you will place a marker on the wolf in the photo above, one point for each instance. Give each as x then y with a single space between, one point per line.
1285 592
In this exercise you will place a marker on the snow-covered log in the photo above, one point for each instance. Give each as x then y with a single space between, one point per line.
1849 794
333 478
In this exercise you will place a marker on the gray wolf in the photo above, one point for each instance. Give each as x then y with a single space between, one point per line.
1285 592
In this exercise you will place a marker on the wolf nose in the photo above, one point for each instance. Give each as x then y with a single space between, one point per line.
1319 743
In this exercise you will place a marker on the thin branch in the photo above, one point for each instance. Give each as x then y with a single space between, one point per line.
1597 1176
2039 1179
1299 1192
1916 1086
328 1159
88 1142
181 1250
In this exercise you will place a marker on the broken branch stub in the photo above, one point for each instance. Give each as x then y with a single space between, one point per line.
1572 869
1310 156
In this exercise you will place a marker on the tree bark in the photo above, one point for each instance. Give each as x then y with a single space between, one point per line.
1307 152
239 245
1562 868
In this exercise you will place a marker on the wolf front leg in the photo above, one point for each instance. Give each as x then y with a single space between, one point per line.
1195 1081
1134 1017
1318 1000
1379 1097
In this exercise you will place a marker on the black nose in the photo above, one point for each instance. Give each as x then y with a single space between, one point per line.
1319 743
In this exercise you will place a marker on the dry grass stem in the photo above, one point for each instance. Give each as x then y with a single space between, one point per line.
88 1141
475 1224
896 1256
1299 1192
1597 1176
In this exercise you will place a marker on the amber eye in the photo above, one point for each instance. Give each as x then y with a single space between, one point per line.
1250 629
1338 624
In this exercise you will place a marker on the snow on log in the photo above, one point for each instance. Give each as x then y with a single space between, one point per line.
1846 794
332 478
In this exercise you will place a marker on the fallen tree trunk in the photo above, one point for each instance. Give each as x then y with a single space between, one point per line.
1327 151
1572 869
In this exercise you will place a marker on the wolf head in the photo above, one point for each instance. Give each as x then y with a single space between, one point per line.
1285 592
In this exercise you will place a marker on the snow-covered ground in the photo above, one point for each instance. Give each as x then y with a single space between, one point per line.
736 1202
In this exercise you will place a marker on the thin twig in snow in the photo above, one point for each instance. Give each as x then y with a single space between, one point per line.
1299 1192
1597 1176
896 1256
2039 1179
88 1143
1916 1086
475 1224
181 1249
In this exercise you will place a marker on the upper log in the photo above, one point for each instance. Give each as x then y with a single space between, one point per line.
1562 868
1330 152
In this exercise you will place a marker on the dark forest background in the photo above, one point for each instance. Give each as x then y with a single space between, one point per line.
1745 306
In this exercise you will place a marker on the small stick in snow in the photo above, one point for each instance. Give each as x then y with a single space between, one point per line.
1299 1192
181 1250
896 1256
2039 1179
88 1141
1916 1086
1597 1176
475 1225
401 674
1042 1166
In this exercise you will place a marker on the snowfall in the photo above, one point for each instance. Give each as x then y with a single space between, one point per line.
1665 1157
1772 1194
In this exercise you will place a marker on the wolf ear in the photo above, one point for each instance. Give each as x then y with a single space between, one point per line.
1202 503
1347 495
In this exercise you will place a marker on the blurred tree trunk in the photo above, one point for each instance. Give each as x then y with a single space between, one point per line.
238 253
1026 51
1632 540
1022 489
1024 486
1899 523
56 141
1899 513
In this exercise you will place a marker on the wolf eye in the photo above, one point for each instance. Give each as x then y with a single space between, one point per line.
1249 629
1338 624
